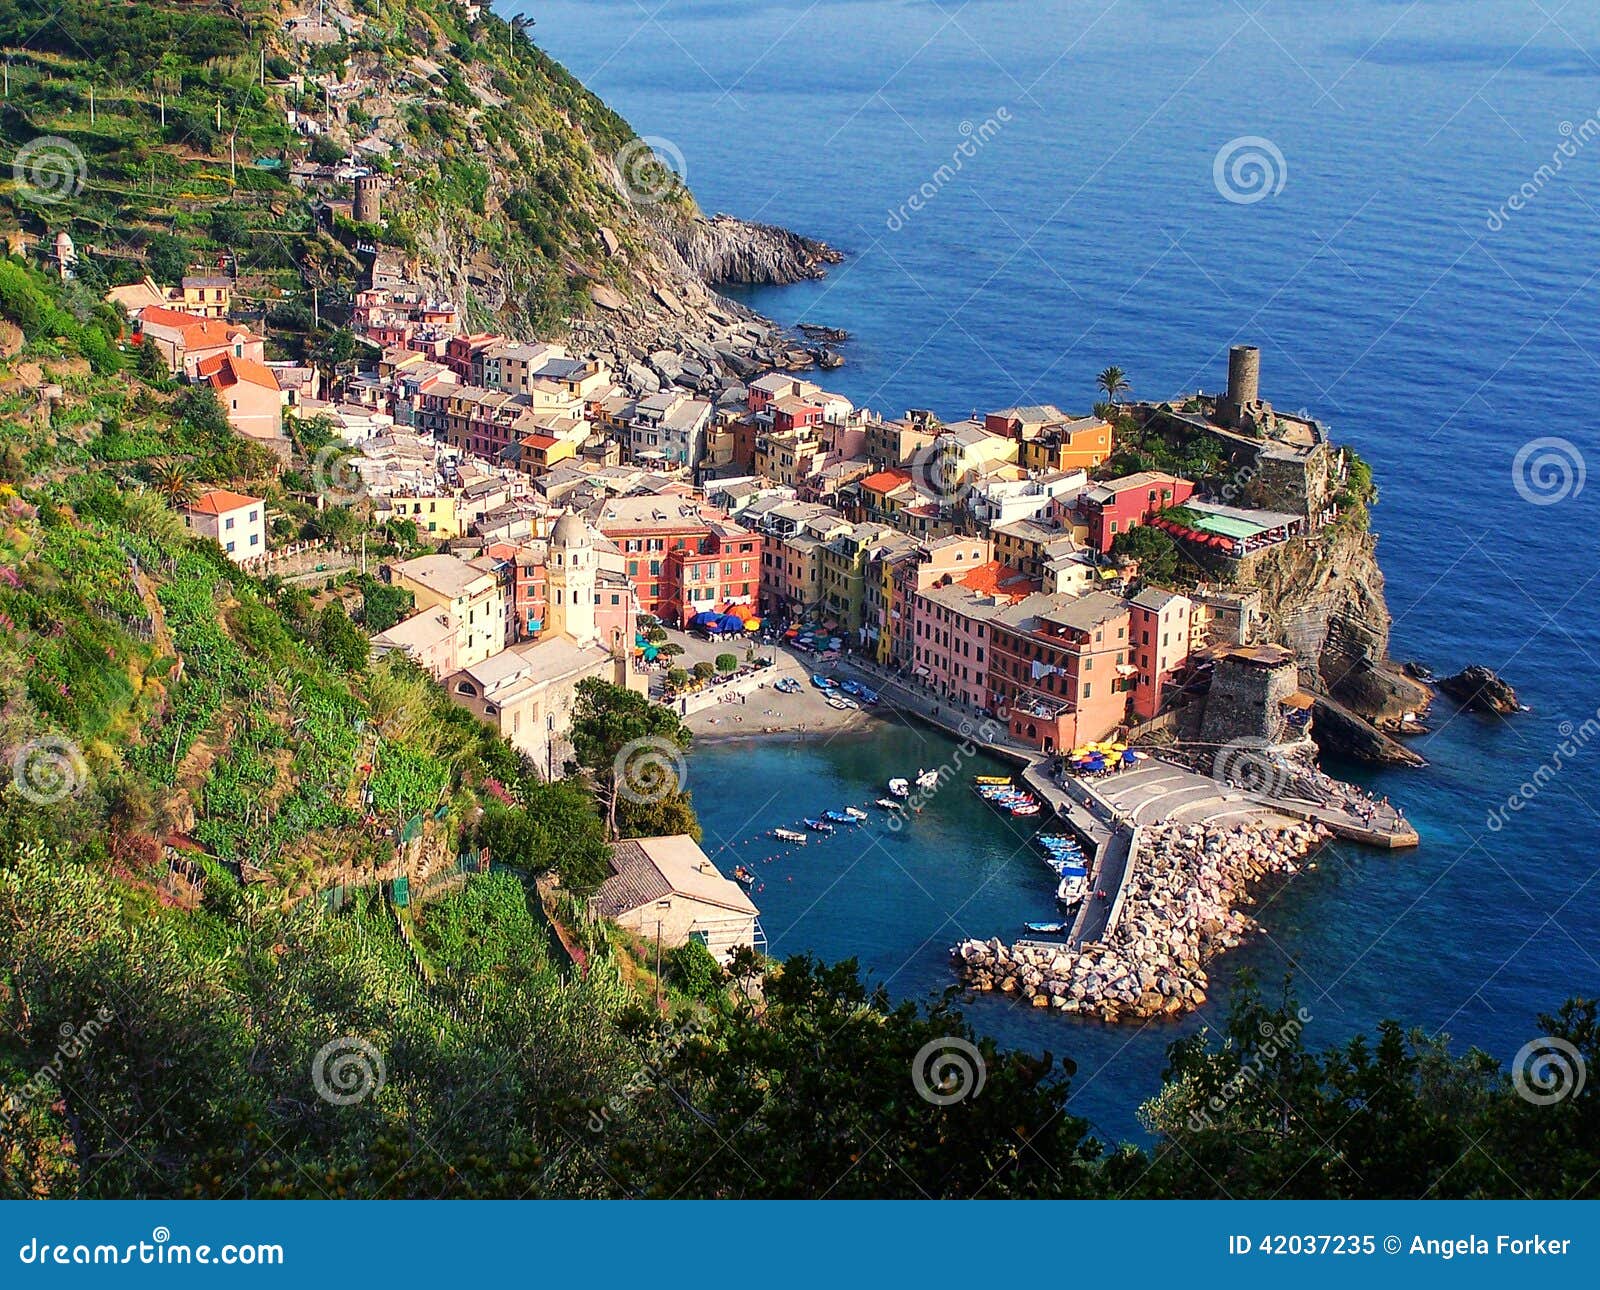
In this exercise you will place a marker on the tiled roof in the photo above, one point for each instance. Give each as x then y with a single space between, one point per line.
219 501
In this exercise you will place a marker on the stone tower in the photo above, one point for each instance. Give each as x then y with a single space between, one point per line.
571 573
369 204
1241 407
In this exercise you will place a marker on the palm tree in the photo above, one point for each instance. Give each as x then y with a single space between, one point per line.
1113 382
173 482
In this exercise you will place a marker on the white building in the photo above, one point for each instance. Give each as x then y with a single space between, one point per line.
237 523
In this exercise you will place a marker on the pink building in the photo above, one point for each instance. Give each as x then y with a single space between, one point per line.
1159 631
950 629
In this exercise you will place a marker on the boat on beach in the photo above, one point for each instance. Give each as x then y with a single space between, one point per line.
787 835
823 682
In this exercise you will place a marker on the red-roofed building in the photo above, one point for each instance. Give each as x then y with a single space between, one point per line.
185 340
237 523
681 558
249 393
951 629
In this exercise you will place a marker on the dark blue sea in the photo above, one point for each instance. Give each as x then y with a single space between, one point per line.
1400 203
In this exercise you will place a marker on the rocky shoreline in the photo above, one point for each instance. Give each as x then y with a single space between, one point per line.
1181 909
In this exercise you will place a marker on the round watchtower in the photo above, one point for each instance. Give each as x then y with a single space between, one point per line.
1244 375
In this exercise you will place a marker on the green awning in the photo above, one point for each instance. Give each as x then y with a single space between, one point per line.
1227 526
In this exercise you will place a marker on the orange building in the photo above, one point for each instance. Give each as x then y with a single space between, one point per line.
1059 671
1048 439
1160 624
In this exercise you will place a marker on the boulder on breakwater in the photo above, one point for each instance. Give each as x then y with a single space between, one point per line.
1179 910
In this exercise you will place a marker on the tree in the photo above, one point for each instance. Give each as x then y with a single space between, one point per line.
148 363
837 1091
727 662
631 748
703 671
340 639
173 481
1155 551
1113 383
167 257
383 604
553 829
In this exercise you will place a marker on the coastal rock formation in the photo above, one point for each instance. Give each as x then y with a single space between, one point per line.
724 249
1179 910
1479 689
1324 598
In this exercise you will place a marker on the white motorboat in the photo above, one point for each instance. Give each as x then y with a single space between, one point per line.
927 778
900 788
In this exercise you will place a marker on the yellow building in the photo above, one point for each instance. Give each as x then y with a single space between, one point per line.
468 591
432 513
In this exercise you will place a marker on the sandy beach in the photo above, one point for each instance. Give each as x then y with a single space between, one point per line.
765 710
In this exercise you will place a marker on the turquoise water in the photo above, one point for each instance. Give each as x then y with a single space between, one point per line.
1390 297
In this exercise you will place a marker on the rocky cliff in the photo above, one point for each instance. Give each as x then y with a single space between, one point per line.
724 249
1323 596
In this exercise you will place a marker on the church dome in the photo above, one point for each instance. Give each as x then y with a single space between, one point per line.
571 530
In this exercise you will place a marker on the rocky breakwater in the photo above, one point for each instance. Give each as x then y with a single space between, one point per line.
1180 909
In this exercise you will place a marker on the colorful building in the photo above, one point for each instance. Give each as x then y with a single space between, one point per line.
1059 673
951 629
1160 627
1118 505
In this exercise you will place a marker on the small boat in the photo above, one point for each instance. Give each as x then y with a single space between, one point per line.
1047 929
819 826
855 812
823 682
927 778
786 685
850 687
1053 841
991 779
1072 888
867 696
843 705
899 788
1025 808
743 876
890 804
787 835
841 817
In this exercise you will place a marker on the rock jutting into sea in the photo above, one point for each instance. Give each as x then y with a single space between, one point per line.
1179 911
1478 689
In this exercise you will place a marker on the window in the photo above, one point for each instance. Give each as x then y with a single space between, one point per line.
228 523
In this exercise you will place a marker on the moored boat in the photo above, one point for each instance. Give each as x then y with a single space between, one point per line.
889 804
787 835
819 826
927 778
1073 887
855 812
991 779
1047 929
899 788
841 817
743 876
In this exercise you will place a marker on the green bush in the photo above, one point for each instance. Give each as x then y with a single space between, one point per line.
727 663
